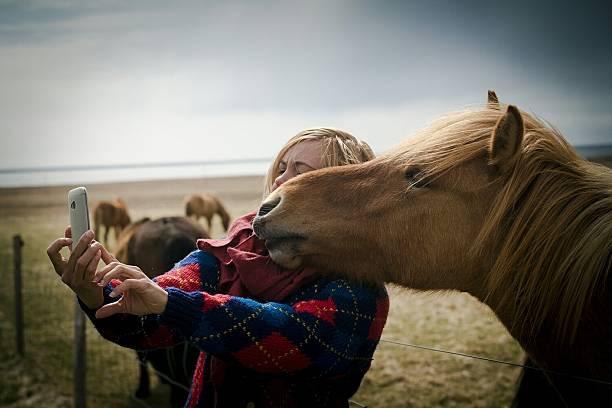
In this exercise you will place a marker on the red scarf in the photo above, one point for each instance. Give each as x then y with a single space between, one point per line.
247 270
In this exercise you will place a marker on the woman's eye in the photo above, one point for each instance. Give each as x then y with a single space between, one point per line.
301 169
415 177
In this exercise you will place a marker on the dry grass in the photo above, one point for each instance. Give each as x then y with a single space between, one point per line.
411 377
400 376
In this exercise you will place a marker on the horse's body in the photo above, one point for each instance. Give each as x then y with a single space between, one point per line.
110 214
155 246
491 202
206 205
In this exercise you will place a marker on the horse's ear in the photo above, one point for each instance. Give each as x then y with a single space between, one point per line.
492 100
506 139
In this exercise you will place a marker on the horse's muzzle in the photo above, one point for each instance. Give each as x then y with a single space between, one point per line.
265 209
268 206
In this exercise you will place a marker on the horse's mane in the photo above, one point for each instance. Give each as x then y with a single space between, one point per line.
122 249
225 217
120 203
551 222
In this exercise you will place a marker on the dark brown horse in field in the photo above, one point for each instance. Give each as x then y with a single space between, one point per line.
490 201
110 214
155 246
206 205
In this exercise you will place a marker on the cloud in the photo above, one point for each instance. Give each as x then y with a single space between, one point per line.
239 78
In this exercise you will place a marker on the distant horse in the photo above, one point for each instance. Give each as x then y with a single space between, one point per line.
206 205
155 246
490 201
110 214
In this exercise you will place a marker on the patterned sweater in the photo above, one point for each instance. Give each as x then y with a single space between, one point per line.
317 344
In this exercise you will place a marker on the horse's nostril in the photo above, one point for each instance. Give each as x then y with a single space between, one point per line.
268 206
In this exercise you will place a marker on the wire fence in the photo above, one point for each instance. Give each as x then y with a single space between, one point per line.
113 372
497 361
48 320
45 328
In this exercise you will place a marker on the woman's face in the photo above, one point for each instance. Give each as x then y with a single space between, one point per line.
300 158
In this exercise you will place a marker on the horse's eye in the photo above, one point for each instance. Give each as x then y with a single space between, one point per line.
414 176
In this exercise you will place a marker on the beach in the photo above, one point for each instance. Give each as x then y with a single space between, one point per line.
143 198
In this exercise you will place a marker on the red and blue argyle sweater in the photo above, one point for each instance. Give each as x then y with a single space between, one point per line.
315 346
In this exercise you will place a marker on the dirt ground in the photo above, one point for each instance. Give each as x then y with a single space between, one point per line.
21 384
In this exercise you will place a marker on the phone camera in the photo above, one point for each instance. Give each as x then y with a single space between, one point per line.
73 205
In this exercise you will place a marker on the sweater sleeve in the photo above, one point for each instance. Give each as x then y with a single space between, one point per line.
198 271
326 330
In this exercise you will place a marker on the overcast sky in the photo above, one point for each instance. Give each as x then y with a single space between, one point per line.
105 82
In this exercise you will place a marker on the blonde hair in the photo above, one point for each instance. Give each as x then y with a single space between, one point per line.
339 148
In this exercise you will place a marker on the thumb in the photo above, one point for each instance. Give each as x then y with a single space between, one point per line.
110 309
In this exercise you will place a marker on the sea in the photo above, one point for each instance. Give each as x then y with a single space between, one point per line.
96 174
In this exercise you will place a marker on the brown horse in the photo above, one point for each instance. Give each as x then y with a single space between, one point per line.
206 205
110 214
490 201
155 246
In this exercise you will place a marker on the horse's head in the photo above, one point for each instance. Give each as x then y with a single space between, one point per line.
124 218
417 209
491 201
225 217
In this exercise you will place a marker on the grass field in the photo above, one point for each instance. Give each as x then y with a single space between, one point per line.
400 376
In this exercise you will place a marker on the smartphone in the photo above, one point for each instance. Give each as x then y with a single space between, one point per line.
79 213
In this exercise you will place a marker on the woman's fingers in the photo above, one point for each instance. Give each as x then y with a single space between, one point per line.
134 271
121 272
53 251
114 270
126 285
107 257
111 309
81 247
100 274
137 296
93 265
84 260
121 305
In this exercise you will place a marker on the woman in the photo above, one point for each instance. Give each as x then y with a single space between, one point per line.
269 337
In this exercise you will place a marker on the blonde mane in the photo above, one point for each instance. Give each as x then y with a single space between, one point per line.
123 243
551 222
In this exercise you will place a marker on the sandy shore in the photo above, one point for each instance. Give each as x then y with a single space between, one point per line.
144 198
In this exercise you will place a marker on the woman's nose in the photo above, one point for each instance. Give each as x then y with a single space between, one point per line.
282 178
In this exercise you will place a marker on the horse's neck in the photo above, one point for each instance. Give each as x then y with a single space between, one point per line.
590 353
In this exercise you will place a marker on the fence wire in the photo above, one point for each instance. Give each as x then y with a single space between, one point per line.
493 360
112 371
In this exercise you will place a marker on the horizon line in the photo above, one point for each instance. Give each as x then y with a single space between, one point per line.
40 169
130 165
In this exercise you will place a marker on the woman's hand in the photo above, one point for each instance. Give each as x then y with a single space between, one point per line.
117 270
78 270
140 296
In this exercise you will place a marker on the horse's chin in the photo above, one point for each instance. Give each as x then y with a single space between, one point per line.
286 259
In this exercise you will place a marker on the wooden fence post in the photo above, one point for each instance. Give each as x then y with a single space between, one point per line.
79 358
19 325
